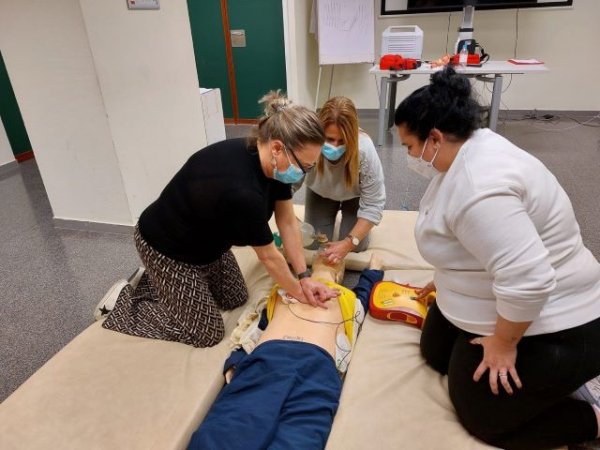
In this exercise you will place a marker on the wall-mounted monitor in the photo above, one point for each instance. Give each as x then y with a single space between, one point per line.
397 7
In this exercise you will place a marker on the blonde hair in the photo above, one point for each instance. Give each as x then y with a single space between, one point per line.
340 111
292 124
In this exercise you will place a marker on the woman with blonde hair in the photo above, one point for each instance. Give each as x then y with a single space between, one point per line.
224 195
349 177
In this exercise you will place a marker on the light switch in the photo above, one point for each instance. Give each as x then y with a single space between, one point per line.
143 4
238 38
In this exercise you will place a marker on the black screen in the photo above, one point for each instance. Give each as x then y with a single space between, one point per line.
425 6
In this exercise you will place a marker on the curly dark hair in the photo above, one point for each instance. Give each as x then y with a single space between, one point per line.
445 104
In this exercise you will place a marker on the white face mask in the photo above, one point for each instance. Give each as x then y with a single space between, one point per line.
422 167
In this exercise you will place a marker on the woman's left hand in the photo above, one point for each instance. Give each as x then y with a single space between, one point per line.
337 250
499 357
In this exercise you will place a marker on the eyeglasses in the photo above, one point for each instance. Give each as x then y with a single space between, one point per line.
302 168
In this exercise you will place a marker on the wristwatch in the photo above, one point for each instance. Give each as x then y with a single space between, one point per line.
307 273
355 241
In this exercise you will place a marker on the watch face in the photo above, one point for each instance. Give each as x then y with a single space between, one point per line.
355 240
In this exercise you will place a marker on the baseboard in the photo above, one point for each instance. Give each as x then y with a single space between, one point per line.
509 114
240 121
24 156
9 167
540 113
97 227
368 113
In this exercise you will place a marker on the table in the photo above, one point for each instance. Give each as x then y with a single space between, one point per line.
489 72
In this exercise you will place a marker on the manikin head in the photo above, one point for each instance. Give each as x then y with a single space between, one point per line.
327 272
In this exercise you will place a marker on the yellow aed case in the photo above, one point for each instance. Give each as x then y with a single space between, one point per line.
395 301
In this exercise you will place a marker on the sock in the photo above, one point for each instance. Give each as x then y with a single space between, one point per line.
589 392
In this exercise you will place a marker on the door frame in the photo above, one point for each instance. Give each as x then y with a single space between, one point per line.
291 56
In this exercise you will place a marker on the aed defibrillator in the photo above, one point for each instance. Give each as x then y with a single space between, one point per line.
397 302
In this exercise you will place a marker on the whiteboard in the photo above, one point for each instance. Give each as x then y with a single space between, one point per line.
346 31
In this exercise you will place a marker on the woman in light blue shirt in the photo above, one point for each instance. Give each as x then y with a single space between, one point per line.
348 178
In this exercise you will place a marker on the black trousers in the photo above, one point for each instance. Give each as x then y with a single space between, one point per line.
321 213
541 415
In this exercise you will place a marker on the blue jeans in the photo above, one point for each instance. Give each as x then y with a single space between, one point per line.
283 395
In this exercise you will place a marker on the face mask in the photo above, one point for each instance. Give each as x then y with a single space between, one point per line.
333 153
422 167
293 174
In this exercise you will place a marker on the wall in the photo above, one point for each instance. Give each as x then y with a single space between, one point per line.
6 154
307 56
291 57
565 39
47 55
147 74
110 99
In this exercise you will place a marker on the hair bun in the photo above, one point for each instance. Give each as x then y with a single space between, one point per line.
452 82
273 102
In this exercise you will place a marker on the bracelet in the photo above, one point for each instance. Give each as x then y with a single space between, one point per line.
307 273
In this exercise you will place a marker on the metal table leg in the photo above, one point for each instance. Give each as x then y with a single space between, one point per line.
496 94
382 103
495 103
392 103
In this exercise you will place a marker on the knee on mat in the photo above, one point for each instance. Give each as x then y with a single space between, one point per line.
210 335
232 302
210 340
432 359
482 423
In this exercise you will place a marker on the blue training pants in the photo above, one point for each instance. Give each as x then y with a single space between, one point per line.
284 395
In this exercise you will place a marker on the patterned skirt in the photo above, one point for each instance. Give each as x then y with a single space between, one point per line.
177 301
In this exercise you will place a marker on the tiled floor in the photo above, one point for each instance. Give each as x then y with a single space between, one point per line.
50 279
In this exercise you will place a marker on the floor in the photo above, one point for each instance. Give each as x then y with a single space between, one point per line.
51 279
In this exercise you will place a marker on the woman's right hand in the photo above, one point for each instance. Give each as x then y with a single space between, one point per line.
316 293
423 294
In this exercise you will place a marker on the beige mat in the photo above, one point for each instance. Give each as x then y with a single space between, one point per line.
391 400
107 390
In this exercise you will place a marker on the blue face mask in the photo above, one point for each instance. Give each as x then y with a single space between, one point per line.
293 174
333 153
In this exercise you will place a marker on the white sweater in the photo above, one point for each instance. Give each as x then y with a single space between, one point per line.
370 188
503 238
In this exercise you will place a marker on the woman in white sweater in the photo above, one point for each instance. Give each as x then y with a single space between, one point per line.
348 178
516 323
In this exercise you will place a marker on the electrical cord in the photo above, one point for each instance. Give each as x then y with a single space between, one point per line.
587 123
337 329
552 119
503 90
321 322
